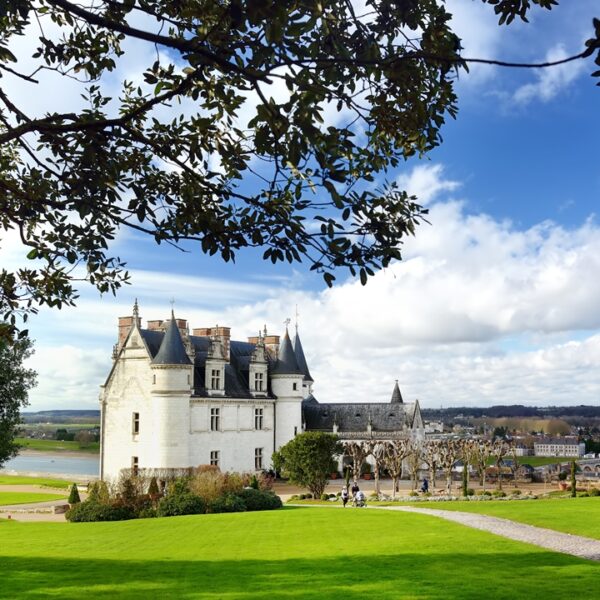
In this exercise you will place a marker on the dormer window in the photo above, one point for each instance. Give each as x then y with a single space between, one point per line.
215 379
259 382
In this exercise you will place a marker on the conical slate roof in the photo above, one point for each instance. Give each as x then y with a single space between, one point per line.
286 360
301 359
396 395
171 351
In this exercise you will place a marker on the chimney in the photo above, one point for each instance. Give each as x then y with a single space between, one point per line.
223 333
155 325
272 345
125 325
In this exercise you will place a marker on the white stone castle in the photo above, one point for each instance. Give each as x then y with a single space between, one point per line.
174 400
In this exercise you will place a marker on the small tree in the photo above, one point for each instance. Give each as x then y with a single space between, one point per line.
573 480
394 454
377 451
153 490
74 495
308 459
359 452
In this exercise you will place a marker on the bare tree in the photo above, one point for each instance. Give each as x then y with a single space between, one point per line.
449 452
377 451
482 451
431 457
359 452
394 454
468 452
415 460
500 449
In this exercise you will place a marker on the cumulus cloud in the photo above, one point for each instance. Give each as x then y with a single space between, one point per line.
550 82
479 312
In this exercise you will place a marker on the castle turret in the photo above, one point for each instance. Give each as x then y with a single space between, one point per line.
396 395
307 381
172 373
286 385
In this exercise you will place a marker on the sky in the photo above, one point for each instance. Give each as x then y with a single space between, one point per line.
496 301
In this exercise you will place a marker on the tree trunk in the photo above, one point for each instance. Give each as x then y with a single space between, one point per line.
465 480
376 473
394 486
449 482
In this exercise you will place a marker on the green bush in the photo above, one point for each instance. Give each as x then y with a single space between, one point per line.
74 495
583 495
413 493
499 494
332 495
516 492
470 492
259 500
180 503
153 490
325 497
147 513
562 476
94 511
595 492
302 497
227 503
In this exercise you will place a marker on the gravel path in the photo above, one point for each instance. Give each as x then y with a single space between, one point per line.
546 538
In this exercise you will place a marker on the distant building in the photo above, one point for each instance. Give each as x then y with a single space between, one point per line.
561 447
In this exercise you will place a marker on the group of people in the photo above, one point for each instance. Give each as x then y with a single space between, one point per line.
358 496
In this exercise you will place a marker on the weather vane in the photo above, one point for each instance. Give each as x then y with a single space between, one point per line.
297 315
287 322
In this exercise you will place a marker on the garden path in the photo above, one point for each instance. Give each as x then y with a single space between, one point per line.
546 538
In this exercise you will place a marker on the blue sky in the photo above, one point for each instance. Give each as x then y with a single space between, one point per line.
497 301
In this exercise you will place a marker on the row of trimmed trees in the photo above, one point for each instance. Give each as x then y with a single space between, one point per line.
409 456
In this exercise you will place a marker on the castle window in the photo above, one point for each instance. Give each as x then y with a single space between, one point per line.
215 379
295 386
214 458
189 380
295 431
258 458
153 379
258 382
258 418
135 423
135 465
215 419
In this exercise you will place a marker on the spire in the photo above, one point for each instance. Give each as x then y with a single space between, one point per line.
286 359
136 311
396 395
300 358
171 351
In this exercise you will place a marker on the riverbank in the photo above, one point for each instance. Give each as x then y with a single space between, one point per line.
74 466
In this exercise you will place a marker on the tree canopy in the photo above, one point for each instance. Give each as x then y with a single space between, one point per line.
308 460
254 123
15 383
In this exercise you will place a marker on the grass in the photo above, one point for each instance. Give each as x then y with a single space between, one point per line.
41 481
580 516
58 446
538 461
8 498
308 553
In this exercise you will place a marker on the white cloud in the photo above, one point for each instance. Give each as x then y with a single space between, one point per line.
479 312
426 182
552 81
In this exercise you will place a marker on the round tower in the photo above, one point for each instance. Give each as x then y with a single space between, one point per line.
172 373
286 385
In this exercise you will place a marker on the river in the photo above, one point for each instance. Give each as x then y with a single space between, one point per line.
29 463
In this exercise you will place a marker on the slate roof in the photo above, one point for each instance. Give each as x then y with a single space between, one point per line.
236 372
356 416
300 358
171 351
286 363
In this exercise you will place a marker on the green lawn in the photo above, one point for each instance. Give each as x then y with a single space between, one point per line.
7 498
580 516
41 481
308 553
57 446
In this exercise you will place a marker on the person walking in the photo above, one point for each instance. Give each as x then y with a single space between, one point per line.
345 496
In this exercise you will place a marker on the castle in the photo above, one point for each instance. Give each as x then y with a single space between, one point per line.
174 400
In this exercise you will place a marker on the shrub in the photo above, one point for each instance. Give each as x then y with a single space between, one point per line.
180 503
74 495
484 493
594 492
332 495
227 503
302 497
499 494
259 500
309 496
94 511
562 476
325 497
413 493
147 513
516 492
470 492
254 483
583 495
153 490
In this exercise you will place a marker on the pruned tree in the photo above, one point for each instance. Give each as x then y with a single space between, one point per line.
15 383
482 452
377 451
358 451
226 139
500 449
431 457
468 452
448 452
394 453
415 461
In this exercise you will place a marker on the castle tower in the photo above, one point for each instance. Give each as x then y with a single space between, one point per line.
172 373
396 395
286 385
